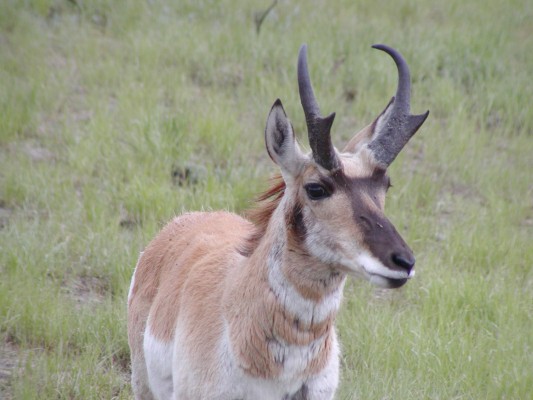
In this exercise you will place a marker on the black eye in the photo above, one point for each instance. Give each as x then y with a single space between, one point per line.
316 191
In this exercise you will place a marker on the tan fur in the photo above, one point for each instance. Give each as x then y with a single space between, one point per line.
193 267
188 254
360 139
209 269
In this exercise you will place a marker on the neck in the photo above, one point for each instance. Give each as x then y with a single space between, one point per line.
281 299
307 291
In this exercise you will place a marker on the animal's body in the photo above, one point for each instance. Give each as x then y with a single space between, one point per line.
221 307
232 323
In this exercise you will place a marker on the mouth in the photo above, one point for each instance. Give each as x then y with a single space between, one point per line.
380 275
388 282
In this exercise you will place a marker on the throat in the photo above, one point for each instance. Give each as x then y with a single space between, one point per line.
288 308
307 293
304 299
311 279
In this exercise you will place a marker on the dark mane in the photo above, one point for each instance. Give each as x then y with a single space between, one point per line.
260 213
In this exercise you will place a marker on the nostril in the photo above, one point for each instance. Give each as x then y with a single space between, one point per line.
403 261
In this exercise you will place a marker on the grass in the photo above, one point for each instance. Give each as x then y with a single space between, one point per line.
106 106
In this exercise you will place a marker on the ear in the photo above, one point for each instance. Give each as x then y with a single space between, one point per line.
366 135
281 143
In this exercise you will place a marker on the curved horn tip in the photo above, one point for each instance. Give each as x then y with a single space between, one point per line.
403 68
403 92
389 50
383 47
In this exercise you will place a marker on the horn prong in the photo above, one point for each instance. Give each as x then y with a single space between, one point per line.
318 127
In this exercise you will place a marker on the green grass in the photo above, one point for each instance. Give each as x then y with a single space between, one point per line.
102 102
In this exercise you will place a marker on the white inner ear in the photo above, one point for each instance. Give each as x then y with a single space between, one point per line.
281 143
382 120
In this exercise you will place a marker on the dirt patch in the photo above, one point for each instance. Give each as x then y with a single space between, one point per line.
9 363
86 290
5 214
33 150
468 192
37 153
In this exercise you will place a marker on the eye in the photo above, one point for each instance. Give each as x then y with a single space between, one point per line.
315 191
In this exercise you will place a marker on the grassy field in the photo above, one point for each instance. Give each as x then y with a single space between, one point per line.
116 116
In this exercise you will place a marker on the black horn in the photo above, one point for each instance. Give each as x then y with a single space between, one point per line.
318 127
397 125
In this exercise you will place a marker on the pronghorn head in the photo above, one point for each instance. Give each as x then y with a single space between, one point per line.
334 201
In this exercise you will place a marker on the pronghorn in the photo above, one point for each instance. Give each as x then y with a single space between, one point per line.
221 307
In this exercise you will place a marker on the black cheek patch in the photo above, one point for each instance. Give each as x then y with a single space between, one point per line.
295 222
